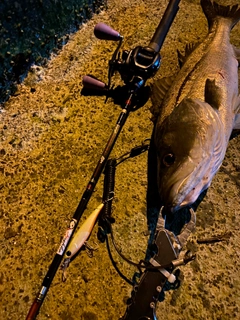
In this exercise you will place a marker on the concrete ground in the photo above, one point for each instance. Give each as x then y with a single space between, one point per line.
51 139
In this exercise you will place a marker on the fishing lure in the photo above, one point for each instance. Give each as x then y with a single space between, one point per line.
105 219
85 230
80 238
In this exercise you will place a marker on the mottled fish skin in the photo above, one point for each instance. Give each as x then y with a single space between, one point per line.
196 116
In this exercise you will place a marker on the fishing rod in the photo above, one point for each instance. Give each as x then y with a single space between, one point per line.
135 67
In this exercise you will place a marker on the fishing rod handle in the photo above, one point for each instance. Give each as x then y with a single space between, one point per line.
164 25
34 310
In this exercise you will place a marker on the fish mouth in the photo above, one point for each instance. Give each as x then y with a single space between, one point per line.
183 187
190 198
177 200
182 191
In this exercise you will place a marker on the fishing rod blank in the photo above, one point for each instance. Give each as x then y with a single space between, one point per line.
164 25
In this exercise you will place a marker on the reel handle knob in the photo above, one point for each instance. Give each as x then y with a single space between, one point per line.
93 83
104 32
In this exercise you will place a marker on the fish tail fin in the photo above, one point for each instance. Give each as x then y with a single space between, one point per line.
212 10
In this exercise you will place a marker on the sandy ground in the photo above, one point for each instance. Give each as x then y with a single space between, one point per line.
51 139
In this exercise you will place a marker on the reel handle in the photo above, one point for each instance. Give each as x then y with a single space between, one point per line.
104 32
93 83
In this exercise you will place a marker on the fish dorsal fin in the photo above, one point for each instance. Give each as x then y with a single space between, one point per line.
190 47
213 10
212 94
158 91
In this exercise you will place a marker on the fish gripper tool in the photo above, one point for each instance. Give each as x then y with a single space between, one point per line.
160 269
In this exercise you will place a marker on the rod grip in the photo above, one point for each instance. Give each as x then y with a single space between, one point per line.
33 312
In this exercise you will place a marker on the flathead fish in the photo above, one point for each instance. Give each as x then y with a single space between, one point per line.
196 111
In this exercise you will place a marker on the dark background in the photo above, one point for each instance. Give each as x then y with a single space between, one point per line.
31 29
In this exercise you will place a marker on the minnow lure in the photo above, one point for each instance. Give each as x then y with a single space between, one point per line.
85 230
79 240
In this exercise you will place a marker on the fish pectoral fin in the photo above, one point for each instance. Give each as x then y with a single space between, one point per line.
237 124
236 108
212 94
158 91
182 58
236 104
237 54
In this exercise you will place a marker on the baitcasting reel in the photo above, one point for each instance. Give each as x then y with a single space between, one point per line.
140 63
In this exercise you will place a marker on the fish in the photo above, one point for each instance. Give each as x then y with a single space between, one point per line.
195 111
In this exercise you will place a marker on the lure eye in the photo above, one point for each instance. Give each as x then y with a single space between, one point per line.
68 253
168 160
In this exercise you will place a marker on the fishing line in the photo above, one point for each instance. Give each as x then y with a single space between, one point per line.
106 219
134 151
115 264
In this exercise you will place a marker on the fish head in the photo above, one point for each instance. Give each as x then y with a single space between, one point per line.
188 145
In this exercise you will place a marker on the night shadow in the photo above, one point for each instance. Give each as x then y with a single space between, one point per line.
32 31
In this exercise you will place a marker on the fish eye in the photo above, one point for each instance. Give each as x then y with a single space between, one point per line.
168 159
